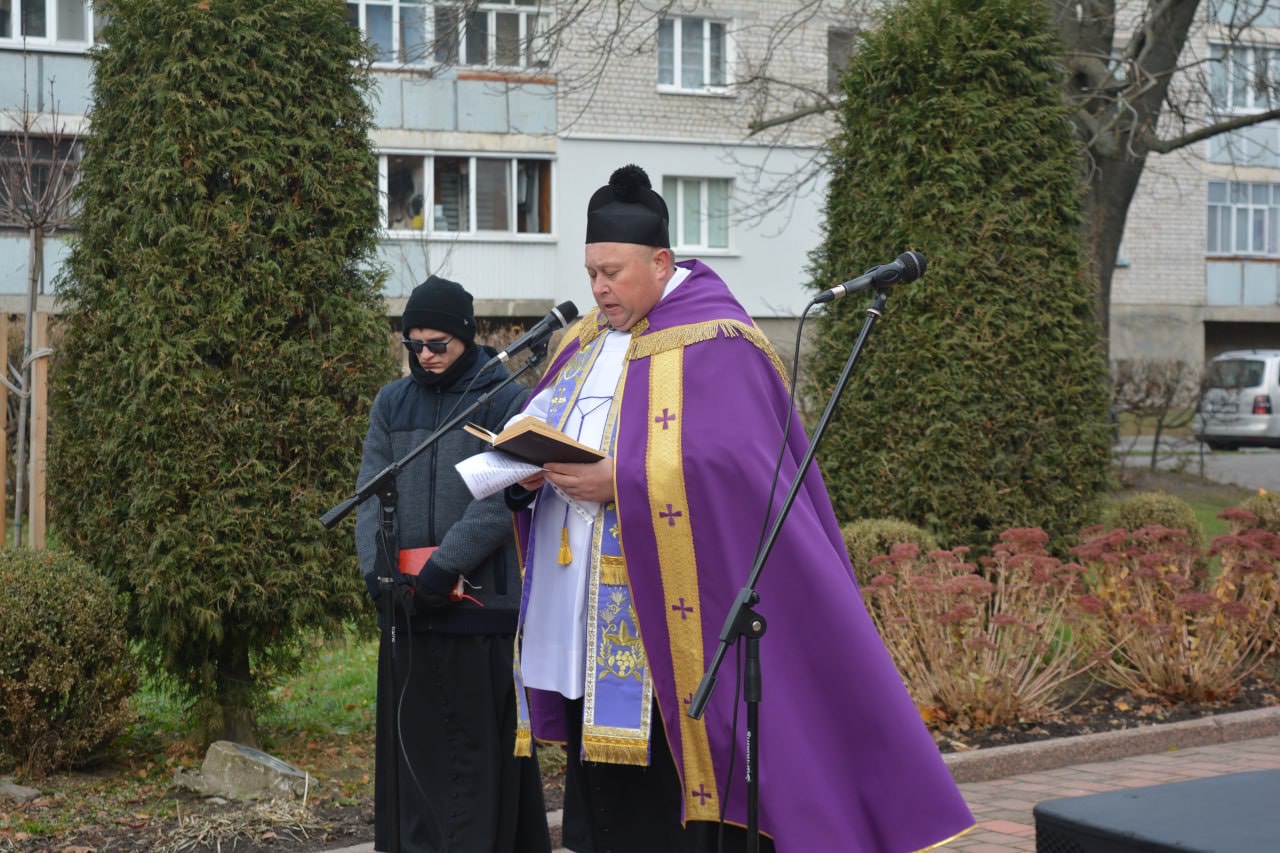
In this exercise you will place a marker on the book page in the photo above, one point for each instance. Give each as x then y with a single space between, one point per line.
490 472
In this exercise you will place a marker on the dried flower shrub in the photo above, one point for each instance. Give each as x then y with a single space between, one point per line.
1179 631
987 646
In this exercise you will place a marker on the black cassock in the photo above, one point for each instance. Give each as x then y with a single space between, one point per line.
462 790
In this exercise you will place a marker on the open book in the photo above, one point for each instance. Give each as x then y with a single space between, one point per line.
536 442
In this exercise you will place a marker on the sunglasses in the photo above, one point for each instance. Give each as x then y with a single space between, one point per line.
435 347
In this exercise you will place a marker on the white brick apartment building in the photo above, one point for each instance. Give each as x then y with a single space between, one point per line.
490 141
1199 270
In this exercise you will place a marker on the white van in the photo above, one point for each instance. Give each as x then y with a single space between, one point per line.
1241 400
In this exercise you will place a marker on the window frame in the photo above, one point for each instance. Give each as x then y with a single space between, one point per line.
397 52
1260 222
840 41
17 40
677 40
514 206
1225 82
675 189
452 47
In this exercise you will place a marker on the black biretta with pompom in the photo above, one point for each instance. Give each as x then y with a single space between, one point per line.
627 210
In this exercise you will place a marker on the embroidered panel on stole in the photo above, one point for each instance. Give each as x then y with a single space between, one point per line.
618 695
673 533
618 699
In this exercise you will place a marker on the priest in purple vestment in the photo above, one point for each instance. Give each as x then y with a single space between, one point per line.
633 563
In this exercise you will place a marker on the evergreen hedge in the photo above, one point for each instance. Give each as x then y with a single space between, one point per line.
980 401
224 332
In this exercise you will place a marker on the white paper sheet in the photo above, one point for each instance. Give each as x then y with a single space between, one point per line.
491 471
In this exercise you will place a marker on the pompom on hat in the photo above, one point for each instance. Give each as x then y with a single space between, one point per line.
627 210
442 305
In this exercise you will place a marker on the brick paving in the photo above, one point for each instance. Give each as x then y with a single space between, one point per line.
1001 801
1002 807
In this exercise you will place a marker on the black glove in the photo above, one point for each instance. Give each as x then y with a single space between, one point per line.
518 498
402 594
433 585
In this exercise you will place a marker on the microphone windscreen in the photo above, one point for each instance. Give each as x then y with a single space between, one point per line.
568 311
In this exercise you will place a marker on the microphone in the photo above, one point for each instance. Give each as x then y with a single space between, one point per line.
559 317
909 266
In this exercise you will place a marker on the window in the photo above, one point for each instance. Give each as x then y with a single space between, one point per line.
1243 78
1254 13
839 49
699 209
36 179
397 29
463 194
692 55
502 33
1244 218
505 33
50 22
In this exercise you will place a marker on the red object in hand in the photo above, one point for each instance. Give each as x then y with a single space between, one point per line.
413 559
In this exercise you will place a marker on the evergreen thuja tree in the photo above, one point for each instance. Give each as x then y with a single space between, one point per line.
224 333
980 400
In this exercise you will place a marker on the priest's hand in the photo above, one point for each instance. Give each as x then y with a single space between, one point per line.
584 482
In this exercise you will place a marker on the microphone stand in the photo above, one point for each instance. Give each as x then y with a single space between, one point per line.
744 622
383 484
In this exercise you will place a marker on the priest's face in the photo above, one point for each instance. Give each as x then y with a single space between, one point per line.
627 280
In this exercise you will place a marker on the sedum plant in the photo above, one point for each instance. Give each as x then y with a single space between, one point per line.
983 646
1176 630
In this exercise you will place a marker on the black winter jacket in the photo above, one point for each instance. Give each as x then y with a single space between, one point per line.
476 539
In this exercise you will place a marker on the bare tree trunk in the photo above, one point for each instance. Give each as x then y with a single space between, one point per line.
234 691
1111 189
35 272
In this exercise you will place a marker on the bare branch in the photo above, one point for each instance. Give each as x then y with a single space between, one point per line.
1164 146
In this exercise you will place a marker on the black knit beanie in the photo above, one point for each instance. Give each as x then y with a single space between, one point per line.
442 305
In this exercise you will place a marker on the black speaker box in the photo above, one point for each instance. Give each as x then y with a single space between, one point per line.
1237 813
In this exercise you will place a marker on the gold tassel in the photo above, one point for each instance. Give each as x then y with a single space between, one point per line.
566 556
616 750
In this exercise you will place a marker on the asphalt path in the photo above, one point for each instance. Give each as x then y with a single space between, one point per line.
1250 467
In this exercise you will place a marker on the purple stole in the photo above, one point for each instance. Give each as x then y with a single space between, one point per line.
618 699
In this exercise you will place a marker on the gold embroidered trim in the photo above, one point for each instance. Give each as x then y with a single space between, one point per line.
682 336
586 330
670 516
947 841
612 744
524 743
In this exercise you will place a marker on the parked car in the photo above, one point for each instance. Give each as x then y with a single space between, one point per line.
1240 403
